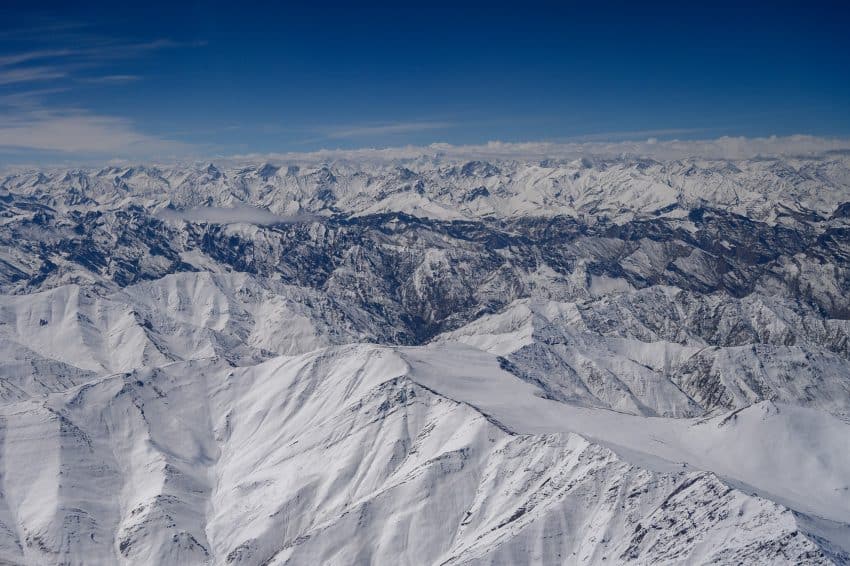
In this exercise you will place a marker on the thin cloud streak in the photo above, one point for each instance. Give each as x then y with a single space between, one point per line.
30 74
40 31
112 79
27 56
232 215
29 123
81 133
388 129
27 99
101 50
637 134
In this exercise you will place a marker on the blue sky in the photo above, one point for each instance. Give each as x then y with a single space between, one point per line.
91 80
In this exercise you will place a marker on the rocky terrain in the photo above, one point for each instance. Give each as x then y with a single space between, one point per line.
427 361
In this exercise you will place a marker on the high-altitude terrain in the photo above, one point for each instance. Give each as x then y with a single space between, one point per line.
427 361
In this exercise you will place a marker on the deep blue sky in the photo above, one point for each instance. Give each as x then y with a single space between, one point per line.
126 79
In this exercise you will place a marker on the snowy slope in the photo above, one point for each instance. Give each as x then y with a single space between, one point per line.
428 360
369 454
562 348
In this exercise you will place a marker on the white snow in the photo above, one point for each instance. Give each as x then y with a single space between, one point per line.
563 416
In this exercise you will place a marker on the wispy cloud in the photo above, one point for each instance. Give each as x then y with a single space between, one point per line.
638 134
25 101
232 215
107 50
30 74
30 121
26 56
39 31
387 129
80 133
98 51
112 79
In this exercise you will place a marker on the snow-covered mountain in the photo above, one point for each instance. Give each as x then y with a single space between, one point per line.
427 361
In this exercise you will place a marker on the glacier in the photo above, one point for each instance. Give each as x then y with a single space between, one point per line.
427 360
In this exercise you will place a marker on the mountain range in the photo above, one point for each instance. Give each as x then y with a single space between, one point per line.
427 360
